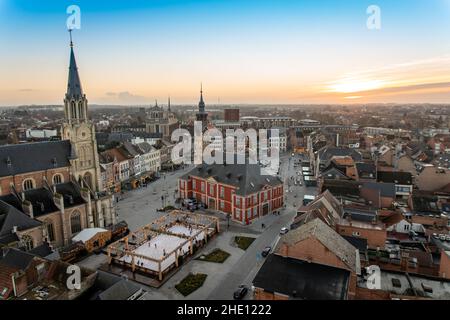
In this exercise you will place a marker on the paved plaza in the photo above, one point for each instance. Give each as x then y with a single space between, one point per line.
139 207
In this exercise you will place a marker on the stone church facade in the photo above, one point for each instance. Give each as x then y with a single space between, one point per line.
50 191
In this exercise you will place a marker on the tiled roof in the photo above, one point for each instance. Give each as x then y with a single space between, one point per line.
328 237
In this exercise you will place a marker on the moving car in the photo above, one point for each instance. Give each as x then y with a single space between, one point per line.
284 230
240 293
266 251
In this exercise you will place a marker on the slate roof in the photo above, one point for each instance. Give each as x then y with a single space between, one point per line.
342 188
130 148
41 200
121 290
396 177
363 215
36 156
12 200
302 280
42 251
358 242
366 170
74 90
71 193
9 238
16 259
326 153
328 237
10 217
145 147
385 189
334 174
246 178
120 136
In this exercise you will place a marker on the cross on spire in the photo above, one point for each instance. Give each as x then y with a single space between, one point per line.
70 35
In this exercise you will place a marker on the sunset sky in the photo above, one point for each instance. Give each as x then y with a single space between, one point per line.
244 51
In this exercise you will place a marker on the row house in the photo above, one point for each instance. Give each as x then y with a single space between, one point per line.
239 191
128 161
133 157
150 157
122 163
110 170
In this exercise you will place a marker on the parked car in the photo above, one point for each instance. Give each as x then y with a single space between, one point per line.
240 293
202 205
284 230
266 251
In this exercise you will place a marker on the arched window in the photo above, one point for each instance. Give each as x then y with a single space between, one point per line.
80 106
75 222
50 230
27 242
58 178
74 112
28 184
88 179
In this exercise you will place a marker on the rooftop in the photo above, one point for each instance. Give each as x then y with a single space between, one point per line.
328 237
302 280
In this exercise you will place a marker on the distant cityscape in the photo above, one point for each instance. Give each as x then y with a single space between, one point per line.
93 205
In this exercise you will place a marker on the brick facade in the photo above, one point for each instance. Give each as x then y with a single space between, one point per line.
223 198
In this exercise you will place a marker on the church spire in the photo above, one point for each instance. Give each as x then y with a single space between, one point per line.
169 105
74 90
201 104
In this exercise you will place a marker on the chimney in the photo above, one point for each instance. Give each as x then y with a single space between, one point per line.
14 229
404 261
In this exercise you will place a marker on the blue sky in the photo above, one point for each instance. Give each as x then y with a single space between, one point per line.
278 51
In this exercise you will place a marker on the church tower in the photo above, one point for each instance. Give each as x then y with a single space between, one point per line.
80 131
202 115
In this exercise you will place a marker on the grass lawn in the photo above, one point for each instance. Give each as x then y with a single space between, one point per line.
217 256
191 283
243 242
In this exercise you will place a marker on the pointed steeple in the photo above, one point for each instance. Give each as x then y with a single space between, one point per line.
168 109
74 89
201 104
